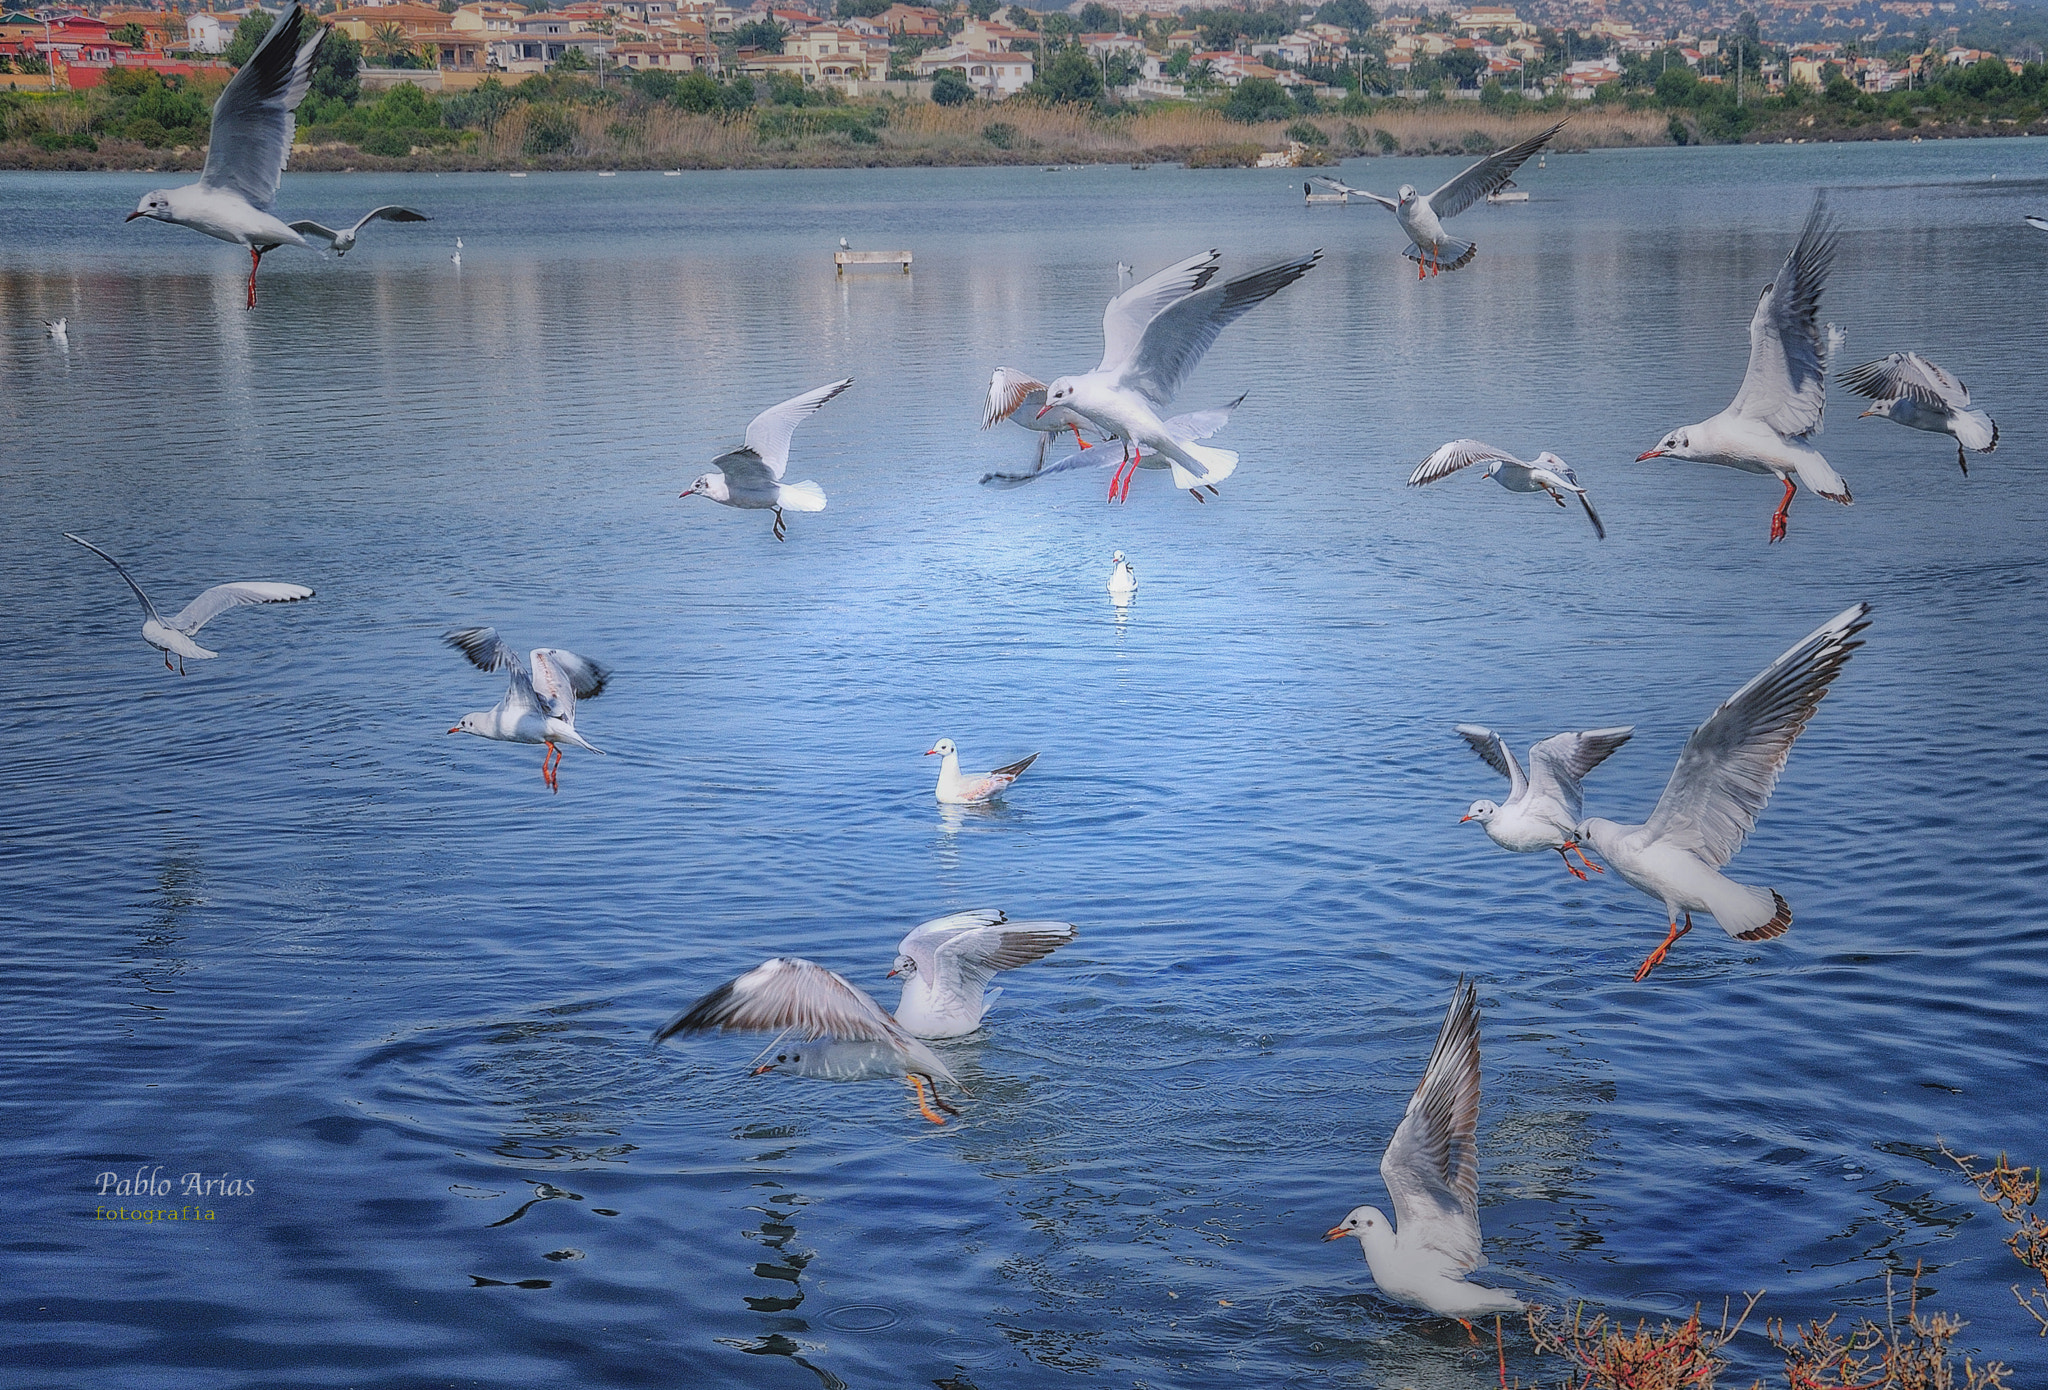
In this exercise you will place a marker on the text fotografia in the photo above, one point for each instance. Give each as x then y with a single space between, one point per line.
153 1214
151 1182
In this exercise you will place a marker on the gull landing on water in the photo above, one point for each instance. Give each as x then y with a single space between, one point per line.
246 152
540 695
1548 474
751 475
1432 1174
57 329
957 788
1784 394
1543 809
946 964
173 636
1722 783
1911 391
1019 398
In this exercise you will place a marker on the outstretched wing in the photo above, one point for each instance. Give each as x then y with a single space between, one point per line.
221 597
1730 764
1180 334
1125 320
1910 376
968 949
489 652
1389 203
307 227
769 434
1201 424
391 212
560 678
252 120
1009 391
1459 453
1432 1166
148 608
1786 384
1498 756
1489 175
1559 763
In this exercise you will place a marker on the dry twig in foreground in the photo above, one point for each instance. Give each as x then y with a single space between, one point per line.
2013 1193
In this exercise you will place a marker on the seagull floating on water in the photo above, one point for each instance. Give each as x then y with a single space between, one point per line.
1123 580
946 964
1784 393
1912 391
1722 783
344 241
751 475
1432 1174
173 636
457 257
57 329
245 153
1548 474
957 788
1543 808
540 695
1422 216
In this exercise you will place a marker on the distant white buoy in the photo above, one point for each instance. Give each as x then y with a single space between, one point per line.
519 175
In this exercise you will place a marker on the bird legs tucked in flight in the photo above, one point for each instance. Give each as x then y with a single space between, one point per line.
1657 956
1125 471
550 762
1572 869
181 663
918 1082
780 532
1784 509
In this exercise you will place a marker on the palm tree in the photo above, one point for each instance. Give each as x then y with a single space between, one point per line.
390 43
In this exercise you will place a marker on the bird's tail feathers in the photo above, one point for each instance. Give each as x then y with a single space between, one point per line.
1452 255
1749 914
806 496
1822 480
1976 430
1216 465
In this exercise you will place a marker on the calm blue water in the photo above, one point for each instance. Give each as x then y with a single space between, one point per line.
269 922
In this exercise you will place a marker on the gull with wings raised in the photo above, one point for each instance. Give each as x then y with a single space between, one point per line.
1784 394
540 695
1914 392
1548 474
343 241
751 475
1721 785
1019 397
1191 427
245 153
1432 1174
173 636
946 964
1543 808
1421 215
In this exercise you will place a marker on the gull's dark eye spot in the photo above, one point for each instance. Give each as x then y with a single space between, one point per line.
782 1057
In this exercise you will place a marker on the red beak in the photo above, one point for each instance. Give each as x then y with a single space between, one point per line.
456 730
929 751
1463 819
1652 454
132 216
1041 411
1335 1233
892 975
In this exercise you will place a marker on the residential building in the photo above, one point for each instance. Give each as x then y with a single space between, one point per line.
994 75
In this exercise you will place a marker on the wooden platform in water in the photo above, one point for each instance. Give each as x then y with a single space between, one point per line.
843 259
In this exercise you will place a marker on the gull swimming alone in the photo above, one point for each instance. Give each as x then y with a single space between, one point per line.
751 475
1432 1174
1421 216
1543 808
945 965
539 705
1721 784
246 151
1123 580
1548 474
343 241
57 329
173 636
1914 392
957 788
1784 394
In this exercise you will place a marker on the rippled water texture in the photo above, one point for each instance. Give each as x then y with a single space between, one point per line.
269 922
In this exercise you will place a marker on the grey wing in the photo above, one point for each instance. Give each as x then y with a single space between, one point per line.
147 607
1124 321
1786 384
221 597
311 228
1907 375
560 678
968 954
1599 527
1489 175
769 433
252 120
390 212
1201 424
1009 391
1730 764
1388 203
1180 334
744 469
1459 453
1559 763
1432 1166
1494 749
1100 456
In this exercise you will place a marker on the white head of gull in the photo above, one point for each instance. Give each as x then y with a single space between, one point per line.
1544 807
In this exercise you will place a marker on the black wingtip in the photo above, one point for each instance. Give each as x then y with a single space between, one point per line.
701 1016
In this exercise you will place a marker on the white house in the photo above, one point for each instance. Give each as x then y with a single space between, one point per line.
208 33
995 76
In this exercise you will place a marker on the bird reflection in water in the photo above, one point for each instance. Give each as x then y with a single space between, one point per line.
784 1271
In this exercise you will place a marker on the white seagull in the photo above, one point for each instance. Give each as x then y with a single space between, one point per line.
246 152
957 788
540 695
1911 391
57 330
1153 335
751 475
1543 809
946 964
457 257
1548 474
1191 427
1422 216
344 241
1017 397
1784 393
1721 784
1123 580
1432 1174
173 636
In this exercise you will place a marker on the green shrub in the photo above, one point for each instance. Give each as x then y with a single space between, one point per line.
549 130
950 87
1387 141
147 132
1001 134
1258 99
1225 156
1307 133
58 140
393 143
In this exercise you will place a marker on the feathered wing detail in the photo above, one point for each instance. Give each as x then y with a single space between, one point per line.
1559 763
148 608
1731 763
1449 254
390 212
770 432
308 227
1432 1166
1488 176
1910 376
1180 334
1494 750
491 653
252 121
1459 453
1124 321
560 678
1388 203
1187 428
1786 384
966 950
221 597
1009 390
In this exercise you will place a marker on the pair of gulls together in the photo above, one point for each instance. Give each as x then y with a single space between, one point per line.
1720 786
250 140
827 1027
1154 334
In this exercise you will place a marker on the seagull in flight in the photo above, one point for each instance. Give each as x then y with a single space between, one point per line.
1784 393
540 695
1912 391
344 241
173 636
58 328
1432 1174
1548 474
1543 808
1018 397
946 964
1721 785
751 475
246 152
1194 426
1421 215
